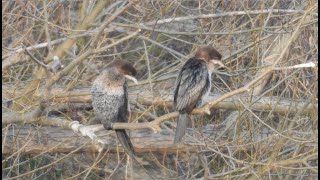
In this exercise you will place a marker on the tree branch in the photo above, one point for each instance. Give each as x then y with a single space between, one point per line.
234 13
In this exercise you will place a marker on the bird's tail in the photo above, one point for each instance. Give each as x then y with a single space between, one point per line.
128 147
125 142
182 124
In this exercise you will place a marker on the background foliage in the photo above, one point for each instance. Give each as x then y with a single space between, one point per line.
157 37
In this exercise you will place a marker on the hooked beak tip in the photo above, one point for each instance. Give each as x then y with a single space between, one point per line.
135 81
218 63
132 78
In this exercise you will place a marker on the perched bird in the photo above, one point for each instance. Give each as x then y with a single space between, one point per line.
192 84
110 98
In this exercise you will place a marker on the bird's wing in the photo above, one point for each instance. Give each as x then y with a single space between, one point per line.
192 83
123 112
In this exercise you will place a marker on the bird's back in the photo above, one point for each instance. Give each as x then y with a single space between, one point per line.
192 83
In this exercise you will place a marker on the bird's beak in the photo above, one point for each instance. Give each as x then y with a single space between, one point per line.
131 78
217 62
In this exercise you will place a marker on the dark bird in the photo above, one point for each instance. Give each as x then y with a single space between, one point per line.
110 98
192 84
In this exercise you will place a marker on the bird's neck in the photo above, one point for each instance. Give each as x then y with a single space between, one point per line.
111 78
114 75
210 66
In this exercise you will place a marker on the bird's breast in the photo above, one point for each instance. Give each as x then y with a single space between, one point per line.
111 88
106 102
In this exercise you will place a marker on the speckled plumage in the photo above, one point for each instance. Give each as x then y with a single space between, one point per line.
110 99
192 84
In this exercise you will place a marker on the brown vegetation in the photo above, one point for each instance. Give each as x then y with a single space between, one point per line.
260 122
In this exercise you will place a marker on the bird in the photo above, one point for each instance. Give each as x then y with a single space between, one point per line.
110 98
192 84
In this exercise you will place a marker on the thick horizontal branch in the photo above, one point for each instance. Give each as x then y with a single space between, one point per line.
143 140
264 104
257 103
63 140
28 117
51 139
82 100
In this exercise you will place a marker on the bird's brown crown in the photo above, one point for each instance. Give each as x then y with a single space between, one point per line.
124 67
208 53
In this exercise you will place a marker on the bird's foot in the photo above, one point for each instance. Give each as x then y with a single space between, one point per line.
108 126
207 110
155 128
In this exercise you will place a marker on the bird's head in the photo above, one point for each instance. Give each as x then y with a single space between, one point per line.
210 55
126 69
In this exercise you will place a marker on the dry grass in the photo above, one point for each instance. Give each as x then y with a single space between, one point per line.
157 37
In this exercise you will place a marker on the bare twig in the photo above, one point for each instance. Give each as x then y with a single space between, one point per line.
81 58
235 13
105 24
35 59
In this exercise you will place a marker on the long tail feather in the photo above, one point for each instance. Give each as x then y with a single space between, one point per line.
125 142
182 125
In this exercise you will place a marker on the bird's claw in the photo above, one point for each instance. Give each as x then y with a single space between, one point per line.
207 111
155 128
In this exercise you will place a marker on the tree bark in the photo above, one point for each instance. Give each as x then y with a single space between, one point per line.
264 104
28 139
